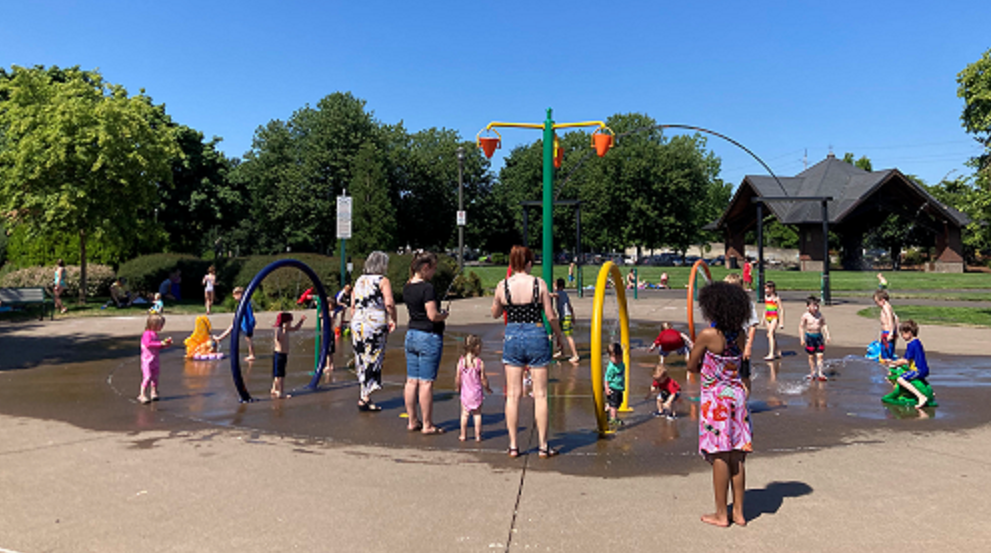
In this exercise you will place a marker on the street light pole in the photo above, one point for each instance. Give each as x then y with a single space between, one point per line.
461 208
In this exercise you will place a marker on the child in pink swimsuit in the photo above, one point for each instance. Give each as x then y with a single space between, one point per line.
724 422
150 346
470 381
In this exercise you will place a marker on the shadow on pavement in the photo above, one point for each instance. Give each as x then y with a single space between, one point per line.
769 499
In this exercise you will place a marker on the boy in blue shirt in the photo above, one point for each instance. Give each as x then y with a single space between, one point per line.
915 358
615 382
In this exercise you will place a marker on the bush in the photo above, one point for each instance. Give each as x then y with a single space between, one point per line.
398 273
146 272
499 258
98 279
467 286
912 257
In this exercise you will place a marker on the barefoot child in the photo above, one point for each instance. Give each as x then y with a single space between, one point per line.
670 341
667 390
283 326
209 282
615 382
774 316
725 434
247 324
915 358
815 335
566 314
889 321
150 346
470 381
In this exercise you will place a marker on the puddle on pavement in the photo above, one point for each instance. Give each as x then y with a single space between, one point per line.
789 413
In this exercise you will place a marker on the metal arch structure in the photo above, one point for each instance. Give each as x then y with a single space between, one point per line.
242 391
609 271
673 126
693 292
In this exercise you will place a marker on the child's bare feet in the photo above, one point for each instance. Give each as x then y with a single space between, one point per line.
739 519
462 437
478 438
144 400
922 403
280 395
154 397
716 520
249 358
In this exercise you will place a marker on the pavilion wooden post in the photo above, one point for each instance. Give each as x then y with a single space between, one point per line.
760 201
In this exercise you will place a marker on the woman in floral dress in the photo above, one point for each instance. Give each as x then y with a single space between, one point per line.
724 423
373 317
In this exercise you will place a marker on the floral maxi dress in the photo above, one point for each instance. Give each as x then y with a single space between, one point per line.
369 331
724 424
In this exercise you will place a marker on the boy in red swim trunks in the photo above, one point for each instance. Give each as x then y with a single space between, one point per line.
815 335
889 321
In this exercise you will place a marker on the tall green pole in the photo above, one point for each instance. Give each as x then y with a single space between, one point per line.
548 212
344 262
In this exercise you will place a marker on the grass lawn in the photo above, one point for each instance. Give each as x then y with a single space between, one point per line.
851 281
947 316
924 295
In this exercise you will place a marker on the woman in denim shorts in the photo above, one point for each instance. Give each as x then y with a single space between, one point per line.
525 301
424 342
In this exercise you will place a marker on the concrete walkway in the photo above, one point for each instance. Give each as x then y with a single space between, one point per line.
85 469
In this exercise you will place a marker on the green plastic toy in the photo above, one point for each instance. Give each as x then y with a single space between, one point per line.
901 396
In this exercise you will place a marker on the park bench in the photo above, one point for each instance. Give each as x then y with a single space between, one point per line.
26 296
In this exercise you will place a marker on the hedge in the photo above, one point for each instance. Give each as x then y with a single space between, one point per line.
146 272
98 279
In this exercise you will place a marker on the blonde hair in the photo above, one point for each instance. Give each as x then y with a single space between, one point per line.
473 345
666 326
733 278
238 291
155 322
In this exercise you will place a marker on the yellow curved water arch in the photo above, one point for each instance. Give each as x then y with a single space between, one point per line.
608 270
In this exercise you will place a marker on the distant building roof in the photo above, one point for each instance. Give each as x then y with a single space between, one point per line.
851 188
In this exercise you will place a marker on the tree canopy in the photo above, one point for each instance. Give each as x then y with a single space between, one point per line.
80 156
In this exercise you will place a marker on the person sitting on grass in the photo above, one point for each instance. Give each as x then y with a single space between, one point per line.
915 358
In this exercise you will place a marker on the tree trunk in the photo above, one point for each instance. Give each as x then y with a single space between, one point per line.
82 267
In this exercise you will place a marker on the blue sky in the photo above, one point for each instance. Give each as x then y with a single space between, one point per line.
782 78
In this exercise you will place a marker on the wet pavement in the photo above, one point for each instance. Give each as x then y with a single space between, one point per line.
789 413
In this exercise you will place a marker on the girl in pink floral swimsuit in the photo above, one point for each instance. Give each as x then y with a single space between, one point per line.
724 423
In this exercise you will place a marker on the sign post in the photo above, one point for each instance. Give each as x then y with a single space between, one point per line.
343 229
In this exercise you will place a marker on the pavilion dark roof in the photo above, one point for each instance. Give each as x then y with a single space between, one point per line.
848 185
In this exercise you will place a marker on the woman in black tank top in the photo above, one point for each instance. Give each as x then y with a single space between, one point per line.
526 302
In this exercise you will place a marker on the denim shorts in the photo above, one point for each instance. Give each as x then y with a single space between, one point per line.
423 351
526 345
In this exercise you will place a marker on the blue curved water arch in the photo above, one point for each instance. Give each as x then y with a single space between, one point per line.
325 343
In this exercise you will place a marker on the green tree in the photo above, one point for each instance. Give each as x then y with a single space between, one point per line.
373 218
975 90
79 155
200 204
863 163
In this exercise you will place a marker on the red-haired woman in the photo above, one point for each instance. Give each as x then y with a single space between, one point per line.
525 300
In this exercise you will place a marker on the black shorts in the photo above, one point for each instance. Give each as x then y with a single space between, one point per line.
615 399
814 343
745 368
279 364
664 395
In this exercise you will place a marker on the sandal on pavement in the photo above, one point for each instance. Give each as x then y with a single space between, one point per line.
513 452
432 431
367 406
415 428
547 453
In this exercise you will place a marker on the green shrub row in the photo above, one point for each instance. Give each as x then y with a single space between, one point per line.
98 279
145 273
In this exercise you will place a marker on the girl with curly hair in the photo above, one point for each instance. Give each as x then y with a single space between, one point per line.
724 423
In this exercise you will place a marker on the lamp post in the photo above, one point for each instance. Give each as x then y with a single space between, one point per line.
461 208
